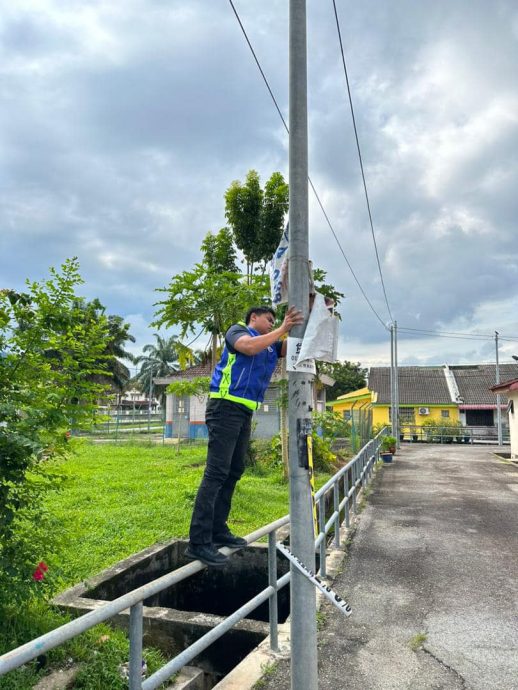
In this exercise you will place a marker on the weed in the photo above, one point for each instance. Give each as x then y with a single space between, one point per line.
321 619
267 670
417 641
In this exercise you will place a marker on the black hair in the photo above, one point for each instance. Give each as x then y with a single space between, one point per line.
258 311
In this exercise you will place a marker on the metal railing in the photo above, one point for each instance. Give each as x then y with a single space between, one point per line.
347 481
452 434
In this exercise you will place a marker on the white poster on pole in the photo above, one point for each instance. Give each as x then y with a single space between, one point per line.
292 355
279 271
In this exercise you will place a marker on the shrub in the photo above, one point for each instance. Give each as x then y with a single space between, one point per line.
51 349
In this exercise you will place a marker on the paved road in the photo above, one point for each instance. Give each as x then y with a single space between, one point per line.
435 554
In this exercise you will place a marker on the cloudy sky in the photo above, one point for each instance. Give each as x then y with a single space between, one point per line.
123 123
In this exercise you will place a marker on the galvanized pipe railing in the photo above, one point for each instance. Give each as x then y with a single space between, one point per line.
358 468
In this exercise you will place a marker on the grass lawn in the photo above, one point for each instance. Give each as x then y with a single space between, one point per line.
115 501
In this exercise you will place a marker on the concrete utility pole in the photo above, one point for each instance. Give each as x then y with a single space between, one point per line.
498 410
396 387
392 384
300 398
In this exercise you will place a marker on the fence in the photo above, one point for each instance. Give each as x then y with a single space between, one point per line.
123 425
452 434
342 488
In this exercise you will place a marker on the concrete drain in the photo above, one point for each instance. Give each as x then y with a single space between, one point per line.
178 616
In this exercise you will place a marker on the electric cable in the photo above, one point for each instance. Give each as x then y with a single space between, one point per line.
361 160
454 334
309 178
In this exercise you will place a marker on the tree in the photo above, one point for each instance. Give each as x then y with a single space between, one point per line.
348 377
210 296
256 216
116 374
219 252
160 359
49 351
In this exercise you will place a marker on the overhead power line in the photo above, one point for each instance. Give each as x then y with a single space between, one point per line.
454 334
309 178
361 160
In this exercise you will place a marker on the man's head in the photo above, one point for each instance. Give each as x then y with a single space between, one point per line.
260 319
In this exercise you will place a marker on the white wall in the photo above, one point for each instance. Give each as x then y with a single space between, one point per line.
513 423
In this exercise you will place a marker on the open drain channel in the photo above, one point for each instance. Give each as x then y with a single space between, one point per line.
178 616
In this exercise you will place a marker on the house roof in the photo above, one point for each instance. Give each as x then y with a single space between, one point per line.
429 386
360 393
475 381
417 385
203 369
511 385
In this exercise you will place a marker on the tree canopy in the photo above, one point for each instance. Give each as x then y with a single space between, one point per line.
209 296
349 376
256 216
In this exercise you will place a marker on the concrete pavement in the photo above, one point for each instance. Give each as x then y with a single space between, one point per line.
432 576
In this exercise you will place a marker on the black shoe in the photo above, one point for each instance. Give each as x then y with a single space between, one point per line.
230 540
206 553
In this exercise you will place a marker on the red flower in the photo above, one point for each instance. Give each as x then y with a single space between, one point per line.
40 571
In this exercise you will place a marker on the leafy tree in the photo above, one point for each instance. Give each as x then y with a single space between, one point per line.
50 350
349 376
209 296
159 359
219 252
256 216
116 374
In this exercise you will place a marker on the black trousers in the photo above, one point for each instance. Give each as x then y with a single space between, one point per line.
229 425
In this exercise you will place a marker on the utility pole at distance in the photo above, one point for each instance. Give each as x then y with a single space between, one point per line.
300 398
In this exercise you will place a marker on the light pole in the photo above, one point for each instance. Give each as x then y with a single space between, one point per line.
300 397
498 410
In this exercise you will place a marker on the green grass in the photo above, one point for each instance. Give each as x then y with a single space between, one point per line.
115 501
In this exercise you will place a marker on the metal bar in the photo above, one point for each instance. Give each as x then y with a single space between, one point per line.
322 529
330 523
25 653
353 487
133 600
346 492
135 635
205 641
336 497
272 581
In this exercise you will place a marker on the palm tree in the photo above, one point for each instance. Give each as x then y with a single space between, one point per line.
159 359
119 335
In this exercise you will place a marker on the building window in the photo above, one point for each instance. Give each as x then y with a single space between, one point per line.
406 415
180 406
445 413
347 415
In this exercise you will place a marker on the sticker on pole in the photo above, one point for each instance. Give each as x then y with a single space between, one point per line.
333 597
292 355
311 472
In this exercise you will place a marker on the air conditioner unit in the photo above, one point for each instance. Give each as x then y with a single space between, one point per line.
424 410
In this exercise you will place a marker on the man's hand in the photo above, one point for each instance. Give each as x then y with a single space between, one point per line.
292 318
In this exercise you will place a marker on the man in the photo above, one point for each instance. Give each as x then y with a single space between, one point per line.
237 388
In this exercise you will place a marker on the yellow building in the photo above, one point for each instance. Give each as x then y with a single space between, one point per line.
426 395
455 395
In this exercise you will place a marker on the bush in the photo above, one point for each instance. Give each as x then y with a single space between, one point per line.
388 444
51 349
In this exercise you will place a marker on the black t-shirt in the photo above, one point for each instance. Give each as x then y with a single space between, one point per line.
236 331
